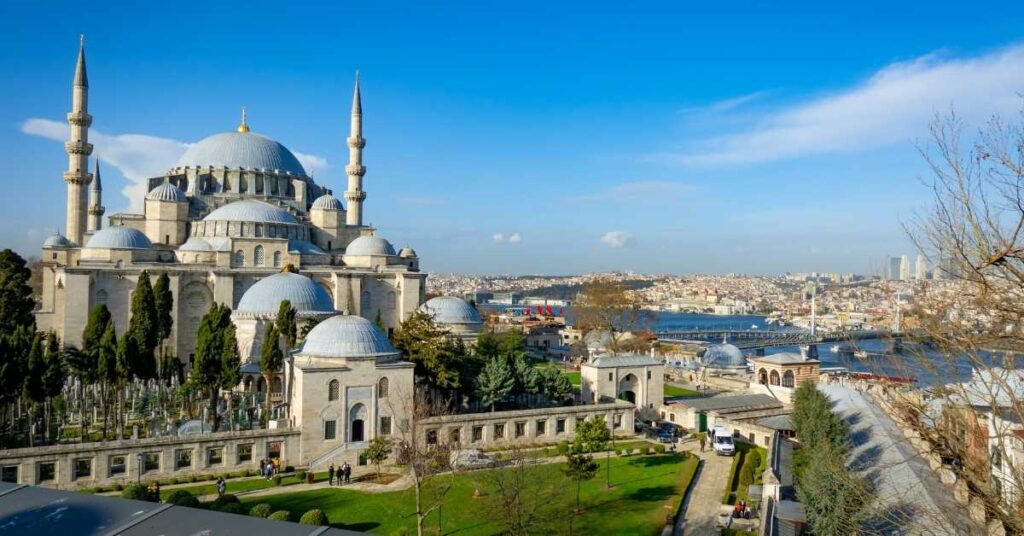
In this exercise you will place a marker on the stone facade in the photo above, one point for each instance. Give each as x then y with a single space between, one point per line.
634 378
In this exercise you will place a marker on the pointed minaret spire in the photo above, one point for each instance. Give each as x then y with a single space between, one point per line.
355 168
243 127
78 150
96 208
81 77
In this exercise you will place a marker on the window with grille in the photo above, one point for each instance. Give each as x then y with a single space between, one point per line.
382 388
332 390
238 259
385 426
257 258
277 259
330 429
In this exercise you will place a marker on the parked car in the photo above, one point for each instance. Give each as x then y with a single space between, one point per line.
665 437
471 459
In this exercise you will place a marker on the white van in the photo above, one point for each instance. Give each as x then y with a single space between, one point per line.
722 443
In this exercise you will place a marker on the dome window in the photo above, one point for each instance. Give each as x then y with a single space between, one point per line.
238 259
258 256
277 259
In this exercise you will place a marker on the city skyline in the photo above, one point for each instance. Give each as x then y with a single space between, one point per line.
722 155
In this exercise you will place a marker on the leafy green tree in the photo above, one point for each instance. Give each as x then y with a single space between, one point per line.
556 386
271 360
53 378
144 328
495 382
216 364
287 329
16 303
107 371
527 379
127 355
438 355
163 304
592 435
377 451
32 382
579 467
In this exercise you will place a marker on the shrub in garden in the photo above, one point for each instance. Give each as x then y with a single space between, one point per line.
180 497
563 447
118 487
660 449
233 508
314 517
261 510
289 468
647 450
138 492
219 503
280 515
277 480
301 476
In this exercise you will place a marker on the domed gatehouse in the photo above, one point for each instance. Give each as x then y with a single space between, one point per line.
350 386
455 315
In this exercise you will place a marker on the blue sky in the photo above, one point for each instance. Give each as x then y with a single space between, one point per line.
647 136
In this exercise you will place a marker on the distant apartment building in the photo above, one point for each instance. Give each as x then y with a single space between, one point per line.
904 268
895 267
921 270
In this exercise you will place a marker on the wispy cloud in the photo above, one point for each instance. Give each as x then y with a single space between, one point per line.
137 156
894 105
501 238
618 239
640 192
725 105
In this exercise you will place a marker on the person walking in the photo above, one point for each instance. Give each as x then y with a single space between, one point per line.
702 442
348 473
222 486
330 475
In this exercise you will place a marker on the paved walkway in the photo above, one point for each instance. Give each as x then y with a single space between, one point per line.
910 497
700 515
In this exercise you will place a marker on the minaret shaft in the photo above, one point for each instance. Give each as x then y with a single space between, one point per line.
355 169
96 208
78 150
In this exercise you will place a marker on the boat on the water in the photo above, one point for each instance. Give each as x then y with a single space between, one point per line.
862 354
834 348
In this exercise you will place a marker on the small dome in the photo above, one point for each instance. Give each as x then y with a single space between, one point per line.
241 150
119 238
369 245
56 240
407 252
327 202
250 210
195 244
345 337
304 247
451 310
724 356
266 295
166 192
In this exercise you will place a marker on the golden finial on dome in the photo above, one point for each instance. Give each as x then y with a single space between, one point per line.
244 127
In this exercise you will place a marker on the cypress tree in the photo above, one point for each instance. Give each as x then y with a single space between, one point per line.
106 369
163 303
495 382
143 328
16 303
271 360
53 378
287 329
216 365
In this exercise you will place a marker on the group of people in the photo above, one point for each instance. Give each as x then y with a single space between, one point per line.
344 474
269 467
741 510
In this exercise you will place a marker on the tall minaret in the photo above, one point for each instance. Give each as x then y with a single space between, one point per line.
355 169
78 148
96 208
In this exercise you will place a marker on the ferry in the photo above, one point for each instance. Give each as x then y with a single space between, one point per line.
834 348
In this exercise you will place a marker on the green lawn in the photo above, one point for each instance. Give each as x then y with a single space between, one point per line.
733 491
235 486
672 391
636 504
574 376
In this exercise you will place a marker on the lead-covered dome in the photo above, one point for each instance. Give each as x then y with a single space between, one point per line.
166 192
450 310
119 238
265 297
241 150
56 240
327 202
724 356
347 337
369 245
250 210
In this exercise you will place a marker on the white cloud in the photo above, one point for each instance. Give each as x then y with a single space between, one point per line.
640 192
895 105
618 239
724 105
501 238
137 156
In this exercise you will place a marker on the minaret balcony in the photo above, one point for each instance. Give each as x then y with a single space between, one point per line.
355 196
357 142
80 119
97 210
78 147
355 169
77 177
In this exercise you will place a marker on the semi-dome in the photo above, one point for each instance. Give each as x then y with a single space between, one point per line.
451 310
347 337
724 356
241 150
369 245
195 244
119 238
266 295
166 192
327 202
56 240
250 210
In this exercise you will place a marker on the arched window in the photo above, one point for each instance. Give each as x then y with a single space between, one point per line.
260 383
365 304
773 378
762 377
277 259
382 388
332 390
257 257
276 386
787 378
238 259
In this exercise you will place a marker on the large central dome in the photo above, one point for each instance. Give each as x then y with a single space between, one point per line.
241 150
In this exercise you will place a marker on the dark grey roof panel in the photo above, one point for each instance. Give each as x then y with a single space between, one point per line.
42 512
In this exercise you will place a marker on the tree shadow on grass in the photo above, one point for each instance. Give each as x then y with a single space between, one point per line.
365 526
652 493
654 461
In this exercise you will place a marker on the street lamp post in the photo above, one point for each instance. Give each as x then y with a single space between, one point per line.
139 475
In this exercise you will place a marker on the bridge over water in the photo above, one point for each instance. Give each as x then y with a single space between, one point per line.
753 339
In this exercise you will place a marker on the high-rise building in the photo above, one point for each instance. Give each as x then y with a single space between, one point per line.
895 264
921 270
904 268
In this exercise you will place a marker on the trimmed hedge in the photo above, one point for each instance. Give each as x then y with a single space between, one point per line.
180 497
314 517
221 502
138 492
261 510
280 515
